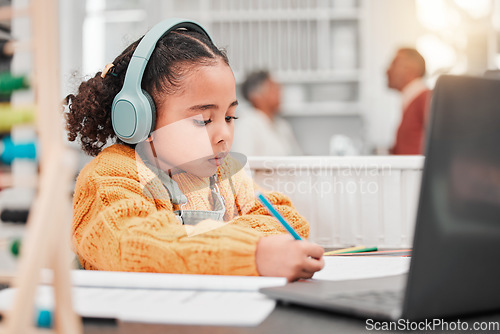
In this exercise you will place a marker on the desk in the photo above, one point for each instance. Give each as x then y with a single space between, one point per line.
284 319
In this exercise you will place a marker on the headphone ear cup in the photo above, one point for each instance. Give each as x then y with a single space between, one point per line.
153 111
133 115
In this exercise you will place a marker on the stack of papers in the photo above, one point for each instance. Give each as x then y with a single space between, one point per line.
163 298
340 268
193 299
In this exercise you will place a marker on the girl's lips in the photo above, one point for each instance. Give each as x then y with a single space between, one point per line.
218 159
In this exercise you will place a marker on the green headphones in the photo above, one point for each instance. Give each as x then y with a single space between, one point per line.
133 113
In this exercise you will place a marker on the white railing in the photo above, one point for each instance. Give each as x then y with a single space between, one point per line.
369 200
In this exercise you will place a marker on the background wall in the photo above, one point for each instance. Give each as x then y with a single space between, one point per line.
454 36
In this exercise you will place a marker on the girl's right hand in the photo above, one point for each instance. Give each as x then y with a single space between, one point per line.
282 255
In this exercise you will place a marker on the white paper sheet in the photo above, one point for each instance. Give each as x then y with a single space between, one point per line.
163 298
339 268
117 279
193 307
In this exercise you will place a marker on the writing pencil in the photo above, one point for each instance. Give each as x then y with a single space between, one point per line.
344 250
361 250
396 252
277 215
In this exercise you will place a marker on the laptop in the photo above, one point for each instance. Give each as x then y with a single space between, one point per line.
455 263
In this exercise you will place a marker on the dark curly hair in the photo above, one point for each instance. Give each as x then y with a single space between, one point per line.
88 112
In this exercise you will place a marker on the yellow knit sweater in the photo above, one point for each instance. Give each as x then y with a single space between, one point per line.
123 220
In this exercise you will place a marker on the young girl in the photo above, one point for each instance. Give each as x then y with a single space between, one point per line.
176 202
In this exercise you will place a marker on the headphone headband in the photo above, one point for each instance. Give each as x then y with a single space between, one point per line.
142 53
132 113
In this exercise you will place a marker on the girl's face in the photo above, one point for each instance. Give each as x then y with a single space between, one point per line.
195 127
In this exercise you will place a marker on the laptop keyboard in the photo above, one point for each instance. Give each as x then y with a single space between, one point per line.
385 298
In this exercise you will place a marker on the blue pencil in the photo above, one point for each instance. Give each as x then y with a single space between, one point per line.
277 215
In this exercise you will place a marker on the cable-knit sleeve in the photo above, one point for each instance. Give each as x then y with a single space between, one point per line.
249 212
259 218
117 227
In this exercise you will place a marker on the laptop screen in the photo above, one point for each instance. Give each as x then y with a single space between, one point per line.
456 248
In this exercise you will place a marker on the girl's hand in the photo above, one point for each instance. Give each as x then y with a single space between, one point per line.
282 255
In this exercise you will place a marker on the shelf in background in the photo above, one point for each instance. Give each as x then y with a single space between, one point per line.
276 15
322 109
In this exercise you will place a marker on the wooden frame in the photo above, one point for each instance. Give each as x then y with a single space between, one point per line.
48 219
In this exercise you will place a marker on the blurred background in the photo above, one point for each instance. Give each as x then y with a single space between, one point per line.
329 55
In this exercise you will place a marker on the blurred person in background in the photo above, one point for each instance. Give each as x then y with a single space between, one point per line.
260 130
405 74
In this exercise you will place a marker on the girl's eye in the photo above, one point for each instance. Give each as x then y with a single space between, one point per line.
202 123
230 118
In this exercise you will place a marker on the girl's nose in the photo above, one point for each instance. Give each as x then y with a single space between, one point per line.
223 134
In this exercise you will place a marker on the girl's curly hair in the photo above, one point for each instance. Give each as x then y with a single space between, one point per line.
88 116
